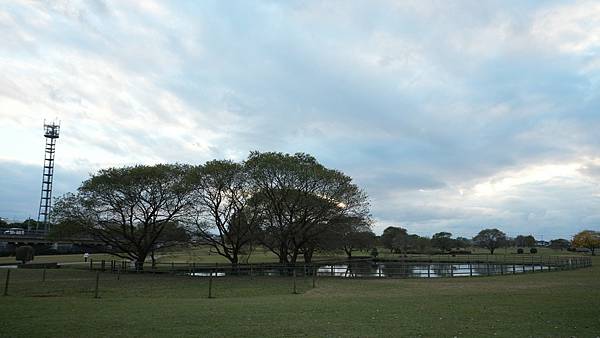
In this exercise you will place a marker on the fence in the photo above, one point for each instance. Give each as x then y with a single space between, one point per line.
418 266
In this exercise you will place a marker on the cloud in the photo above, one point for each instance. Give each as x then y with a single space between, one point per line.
425 103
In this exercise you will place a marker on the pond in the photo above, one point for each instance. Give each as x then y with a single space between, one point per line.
370 269
426 270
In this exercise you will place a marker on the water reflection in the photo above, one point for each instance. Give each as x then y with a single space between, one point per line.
425 270
372 269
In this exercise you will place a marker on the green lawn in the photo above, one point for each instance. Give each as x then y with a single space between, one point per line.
555 304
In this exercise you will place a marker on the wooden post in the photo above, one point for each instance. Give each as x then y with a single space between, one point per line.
210 280
451 270
332 274
314 276
118 273
91 264
428 270
470 269
6 283
514 272
44 275
294 279
97 282
102 265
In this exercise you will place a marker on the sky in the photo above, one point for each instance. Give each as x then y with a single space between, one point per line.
452 115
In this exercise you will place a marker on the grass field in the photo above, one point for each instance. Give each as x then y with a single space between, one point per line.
555 304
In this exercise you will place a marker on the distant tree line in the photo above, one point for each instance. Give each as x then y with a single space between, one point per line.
398 240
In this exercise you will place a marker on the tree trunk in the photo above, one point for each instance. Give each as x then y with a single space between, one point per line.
139 263
153 259
308 256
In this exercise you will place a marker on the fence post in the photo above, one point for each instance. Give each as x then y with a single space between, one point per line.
332 274
428 270
6 283
514 269
102 265
118 273
470 269
44 275
97 282
314 276
451 270
91 264
294 279
210 282
488 267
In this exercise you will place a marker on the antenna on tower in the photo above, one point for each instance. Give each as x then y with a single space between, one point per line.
51 133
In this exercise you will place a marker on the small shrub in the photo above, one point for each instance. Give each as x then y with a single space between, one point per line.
533 250
520 250
374 252
24 253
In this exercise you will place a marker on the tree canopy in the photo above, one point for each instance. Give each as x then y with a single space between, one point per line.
221 209
299 199
588 239
490 239
128 208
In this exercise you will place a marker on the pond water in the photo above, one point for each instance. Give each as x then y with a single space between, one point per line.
8 266
371 269
207 274
425 270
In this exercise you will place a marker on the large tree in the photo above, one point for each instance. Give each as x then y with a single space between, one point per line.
130 208
348 234
588 239
443 241
525 241
490 239
222 212
418 244
394 238
298 198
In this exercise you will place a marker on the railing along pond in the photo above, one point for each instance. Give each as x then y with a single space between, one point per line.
414 266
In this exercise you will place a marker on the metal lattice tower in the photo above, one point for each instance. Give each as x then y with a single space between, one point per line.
51 132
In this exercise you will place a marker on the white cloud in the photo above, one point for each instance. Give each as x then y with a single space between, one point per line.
572 28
